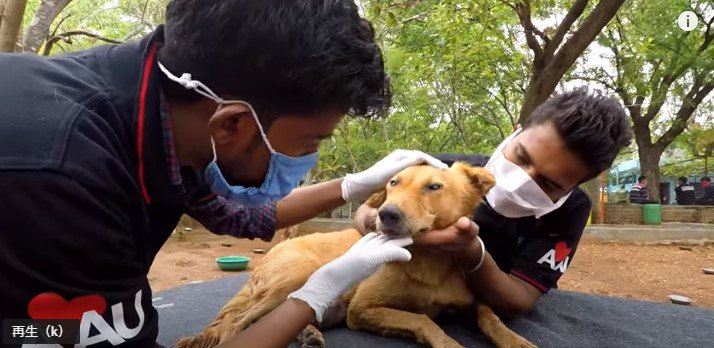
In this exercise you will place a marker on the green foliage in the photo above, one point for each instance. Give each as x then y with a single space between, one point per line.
695 150
115 19
459 69
458 73
652 51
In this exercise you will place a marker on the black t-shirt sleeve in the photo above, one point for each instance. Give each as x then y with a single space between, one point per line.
67 251
546 254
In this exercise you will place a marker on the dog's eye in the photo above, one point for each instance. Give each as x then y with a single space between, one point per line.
394 182
434 187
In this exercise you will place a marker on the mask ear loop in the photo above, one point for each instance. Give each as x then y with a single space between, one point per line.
213 147
189 83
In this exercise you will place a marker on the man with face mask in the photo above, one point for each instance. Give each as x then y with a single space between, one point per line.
524 236
217 114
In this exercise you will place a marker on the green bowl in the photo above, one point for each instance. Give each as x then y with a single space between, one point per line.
232 263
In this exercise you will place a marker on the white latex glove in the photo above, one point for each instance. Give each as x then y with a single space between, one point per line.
357 187
332 280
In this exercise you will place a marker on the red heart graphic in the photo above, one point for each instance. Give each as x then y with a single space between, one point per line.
50 305
561 251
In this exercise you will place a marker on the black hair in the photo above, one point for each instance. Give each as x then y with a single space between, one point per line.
706 178
683 179
591 125
282 56
641 178
472 159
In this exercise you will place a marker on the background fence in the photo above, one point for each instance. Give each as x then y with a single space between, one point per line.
692 202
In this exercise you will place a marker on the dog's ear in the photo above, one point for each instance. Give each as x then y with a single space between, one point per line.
377 199
481 178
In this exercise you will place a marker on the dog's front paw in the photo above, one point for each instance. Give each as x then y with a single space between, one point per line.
311 337
447 342
517 342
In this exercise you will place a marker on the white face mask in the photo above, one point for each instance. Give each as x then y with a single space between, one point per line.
516 194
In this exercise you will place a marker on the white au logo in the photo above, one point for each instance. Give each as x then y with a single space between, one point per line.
549 258
116 336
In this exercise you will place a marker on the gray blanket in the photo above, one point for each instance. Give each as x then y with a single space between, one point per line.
560 319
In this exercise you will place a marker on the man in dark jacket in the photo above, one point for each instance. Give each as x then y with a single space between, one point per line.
218 114
685 192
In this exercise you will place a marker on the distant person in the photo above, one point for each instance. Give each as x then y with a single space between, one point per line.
639 193
708 189
684 192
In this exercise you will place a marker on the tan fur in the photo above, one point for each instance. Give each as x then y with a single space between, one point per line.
400 298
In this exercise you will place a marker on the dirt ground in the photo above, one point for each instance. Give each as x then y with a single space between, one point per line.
647 272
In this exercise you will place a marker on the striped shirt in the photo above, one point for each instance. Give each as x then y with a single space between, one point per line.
214 212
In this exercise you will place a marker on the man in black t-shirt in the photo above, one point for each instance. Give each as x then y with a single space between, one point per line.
532 220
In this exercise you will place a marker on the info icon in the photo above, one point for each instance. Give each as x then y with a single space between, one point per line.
687 20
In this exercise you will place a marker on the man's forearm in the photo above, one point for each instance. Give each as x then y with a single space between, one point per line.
277 329
305 203
506 295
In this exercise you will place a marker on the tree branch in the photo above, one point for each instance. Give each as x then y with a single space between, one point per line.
523 10
609 83
573 14
38 31
59 25
502 102
708 36
620 88
581 39
691 101
546 80
659 93
67 37
414 18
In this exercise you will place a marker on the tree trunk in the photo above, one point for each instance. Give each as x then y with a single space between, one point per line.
11 24
38 30
2 10
649 166
592 189
536 94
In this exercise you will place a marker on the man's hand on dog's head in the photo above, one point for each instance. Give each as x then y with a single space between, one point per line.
459 238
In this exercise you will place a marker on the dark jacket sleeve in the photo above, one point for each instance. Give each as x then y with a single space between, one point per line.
59 238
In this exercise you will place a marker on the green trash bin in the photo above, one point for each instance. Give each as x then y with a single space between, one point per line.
652 214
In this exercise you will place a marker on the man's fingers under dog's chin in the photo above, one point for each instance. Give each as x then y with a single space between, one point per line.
437 237
467 227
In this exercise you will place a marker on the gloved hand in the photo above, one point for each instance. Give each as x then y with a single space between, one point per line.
332 280
357 187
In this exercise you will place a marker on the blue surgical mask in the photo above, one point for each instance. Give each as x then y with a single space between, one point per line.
284 172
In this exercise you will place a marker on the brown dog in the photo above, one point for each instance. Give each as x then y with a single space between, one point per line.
416 200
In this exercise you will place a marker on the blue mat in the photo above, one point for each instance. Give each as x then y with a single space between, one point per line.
561 319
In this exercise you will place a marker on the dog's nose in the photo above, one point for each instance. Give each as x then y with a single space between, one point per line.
390 215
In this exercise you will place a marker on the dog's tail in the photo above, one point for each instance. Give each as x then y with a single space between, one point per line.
211 335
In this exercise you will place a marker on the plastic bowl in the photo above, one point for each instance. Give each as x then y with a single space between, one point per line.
681 300
232 263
